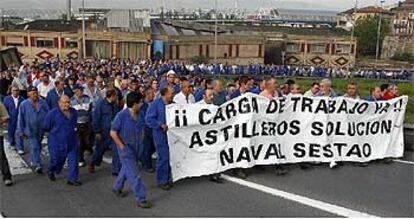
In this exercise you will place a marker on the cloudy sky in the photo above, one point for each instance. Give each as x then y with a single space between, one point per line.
336 5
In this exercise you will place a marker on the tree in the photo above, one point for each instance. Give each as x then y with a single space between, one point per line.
366 29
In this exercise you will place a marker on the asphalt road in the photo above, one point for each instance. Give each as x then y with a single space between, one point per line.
383 190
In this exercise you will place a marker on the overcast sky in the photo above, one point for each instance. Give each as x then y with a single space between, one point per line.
336 5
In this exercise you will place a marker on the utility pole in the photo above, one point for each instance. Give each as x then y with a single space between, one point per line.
379 33
83 31
353 31
215 31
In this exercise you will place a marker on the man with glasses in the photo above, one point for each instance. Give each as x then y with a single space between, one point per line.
12 104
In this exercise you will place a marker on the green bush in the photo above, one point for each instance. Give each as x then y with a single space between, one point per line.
405 57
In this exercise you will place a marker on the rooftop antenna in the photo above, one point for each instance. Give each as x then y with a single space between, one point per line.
162 5
69 12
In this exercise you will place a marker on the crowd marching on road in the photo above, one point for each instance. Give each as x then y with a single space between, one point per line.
119 106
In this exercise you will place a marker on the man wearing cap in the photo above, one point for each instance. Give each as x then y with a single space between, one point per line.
156 119
60 122
29 125
103 114
12 104
171 81
83 105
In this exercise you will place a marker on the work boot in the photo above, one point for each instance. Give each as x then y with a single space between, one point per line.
51 176
74 183
8 182
39 170
118 193
165 187
386 161
280 170
81 163
216 179
144 204
365 164
305 166
240 173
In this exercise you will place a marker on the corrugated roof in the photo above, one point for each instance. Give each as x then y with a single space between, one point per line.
51 25
373 9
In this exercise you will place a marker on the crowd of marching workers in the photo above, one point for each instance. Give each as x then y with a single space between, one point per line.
89 108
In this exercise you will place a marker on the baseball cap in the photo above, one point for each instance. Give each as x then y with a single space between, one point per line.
170 72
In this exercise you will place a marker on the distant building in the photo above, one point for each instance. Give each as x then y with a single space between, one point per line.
372 11
347 19
401 39
123 37
47 39
403 22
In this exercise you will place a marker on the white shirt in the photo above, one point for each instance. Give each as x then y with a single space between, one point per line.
44 89
16 101
202 102
180 98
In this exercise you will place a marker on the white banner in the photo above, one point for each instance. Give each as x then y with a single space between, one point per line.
252 130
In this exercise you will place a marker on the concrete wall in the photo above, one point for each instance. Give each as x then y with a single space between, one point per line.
397 44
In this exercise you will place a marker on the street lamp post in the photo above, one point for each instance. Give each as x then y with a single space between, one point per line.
215 31
352 31
83 31
379 33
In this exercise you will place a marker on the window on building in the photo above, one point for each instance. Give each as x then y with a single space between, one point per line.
318 48
44 43
15 44
14 41
293 47
71 44
342 49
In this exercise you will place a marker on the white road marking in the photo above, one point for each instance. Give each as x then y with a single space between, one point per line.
405 161
338 210
16 163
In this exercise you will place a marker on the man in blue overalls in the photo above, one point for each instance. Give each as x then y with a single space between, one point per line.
12 104
61 124
29 125
156 119
148 147
103 114
126 132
